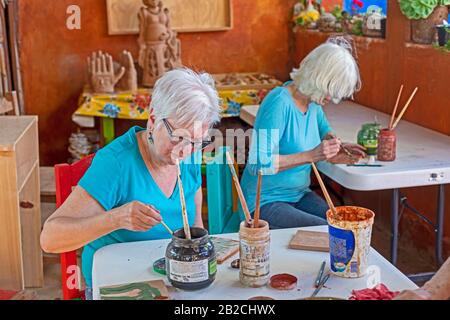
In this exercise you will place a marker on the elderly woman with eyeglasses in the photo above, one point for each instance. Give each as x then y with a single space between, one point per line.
292 131
131 186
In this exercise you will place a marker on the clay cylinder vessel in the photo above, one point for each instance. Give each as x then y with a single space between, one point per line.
254 252
387 145
424 30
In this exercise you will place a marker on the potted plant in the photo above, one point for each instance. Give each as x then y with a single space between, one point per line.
443 33
305 15
425 15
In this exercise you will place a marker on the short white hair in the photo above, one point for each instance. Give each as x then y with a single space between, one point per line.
329 70
186 96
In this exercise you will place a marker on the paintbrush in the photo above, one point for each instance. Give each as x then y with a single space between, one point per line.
404 109
167 227
248 217
395 108
322 283
324 189
320 274
347 152
258 201
187 229
162 221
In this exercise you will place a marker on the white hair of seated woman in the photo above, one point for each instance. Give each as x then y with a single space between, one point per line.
187 97
330 70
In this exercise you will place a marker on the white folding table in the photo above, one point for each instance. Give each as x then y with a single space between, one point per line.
423 159
132 262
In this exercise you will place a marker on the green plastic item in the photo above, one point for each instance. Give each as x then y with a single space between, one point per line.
159 266
368 137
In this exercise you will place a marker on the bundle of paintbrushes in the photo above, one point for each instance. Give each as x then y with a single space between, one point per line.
387 141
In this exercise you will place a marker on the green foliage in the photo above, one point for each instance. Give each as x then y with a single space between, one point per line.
420 9
337 12
358 28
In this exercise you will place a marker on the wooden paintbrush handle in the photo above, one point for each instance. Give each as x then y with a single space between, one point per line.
248 217
258 201
404 109
391 123
324 189
187 228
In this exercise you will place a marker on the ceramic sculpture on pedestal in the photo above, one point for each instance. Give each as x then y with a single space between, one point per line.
158 43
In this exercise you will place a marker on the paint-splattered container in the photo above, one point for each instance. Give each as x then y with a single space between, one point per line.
350 232
368 137
387 145
191 264
254 249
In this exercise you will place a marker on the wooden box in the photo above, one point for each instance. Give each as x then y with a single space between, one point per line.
20 210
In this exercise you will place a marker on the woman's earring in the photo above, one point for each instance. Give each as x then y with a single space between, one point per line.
150 137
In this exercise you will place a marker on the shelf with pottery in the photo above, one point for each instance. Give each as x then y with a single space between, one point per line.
235 90
325 35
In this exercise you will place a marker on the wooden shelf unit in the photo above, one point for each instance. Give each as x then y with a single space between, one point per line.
20 212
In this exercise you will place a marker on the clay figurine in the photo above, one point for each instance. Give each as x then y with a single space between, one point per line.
129 81
327 22
159 46
102 76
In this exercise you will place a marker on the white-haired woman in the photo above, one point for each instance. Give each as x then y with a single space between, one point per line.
292 131
131 185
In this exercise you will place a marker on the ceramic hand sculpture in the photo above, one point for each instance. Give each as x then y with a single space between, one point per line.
129 81
159 46
101 73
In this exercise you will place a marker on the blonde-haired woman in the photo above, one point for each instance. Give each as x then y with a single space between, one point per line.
292 131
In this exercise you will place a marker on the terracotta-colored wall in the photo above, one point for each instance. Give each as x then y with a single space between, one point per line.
53 58
330 4
385 65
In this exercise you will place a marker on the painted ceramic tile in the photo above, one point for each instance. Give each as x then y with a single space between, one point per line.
150 290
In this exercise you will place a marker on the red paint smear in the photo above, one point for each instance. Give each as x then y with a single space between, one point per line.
380 292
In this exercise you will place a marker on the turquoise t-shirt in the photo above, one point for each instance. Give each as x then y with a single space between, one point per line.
282 129
118 175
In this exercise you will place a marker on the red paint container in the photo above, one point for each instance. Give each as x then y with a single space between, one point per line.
387 145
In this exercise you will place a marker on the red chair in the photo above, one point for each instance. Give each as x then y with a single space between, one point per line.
67 177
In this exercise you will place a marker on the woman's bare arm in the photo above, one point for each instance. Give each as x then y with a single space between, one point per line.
438 288
439 285
325 151
198 209
81 220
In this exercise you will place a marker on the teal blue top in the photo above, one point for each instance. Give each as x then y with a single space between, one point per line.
282 129
118 175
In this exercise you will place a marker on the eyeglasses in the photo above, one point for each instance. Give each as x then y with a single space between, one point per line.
185 141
